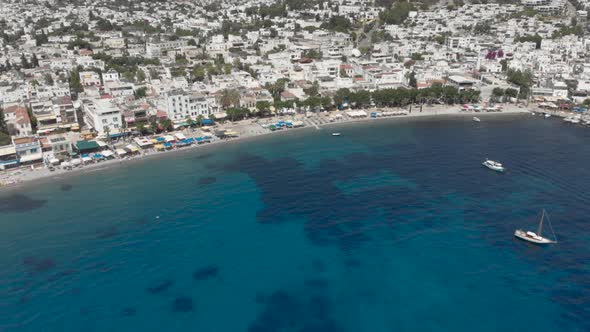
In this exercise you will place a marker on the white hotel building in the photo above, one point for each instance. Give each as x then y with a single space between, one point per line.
101 114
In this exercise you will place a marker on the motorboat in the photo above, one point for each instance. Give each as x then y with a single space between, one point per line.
547 116
536 237
494 165
335 134
476 119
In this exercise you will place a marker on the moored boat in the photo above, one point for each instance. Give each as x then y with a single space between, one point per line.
335 134
476 119
536 237
494 165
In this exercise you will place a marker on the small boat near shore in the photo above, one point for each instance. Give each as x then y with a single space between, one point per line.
494 165
335 134
547 115
536 237
476 119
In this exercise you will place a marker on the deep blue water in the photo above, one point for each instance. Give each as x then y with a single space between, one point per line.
394 226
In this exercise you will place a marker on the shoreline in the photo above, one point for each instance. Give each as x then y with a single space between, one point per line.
44 176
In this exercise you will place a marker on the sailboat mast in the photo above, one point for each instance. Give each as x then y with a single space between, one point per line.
541 224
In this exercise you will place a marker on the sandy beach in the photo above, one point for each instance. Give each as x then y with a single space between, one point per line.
245 129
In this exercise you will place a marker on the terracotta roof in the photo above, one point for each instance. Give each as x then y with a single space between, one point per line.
24 140
162 114
21 114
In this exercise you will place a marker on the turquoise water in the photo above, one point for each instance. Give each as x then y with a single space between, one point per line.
392 226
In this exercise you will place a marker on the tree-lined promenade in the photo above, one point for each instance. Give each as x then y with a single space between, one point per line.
344 98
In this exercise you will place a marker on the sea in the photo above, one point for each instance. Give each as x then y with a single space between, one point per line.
393 226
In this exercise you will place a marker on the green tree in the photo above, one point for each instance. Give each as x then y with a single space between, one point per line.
143 130
166 125
140 93
24 62
227 68
190 122
198 73
482 28
524 80
314 90
33 118
396 14
34 61
140 76
263 108
337 23
277 88
341 96
237 113
510 92
75 84
412 80
49 79
3 126
497 94
532 38
229 98
504 64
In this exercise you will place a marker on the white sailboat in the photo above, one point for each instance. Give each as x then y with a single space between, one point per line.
494 165
536 237
476 119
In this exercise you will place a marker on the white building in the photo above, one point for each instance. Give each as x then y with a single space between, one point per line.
89 78
110 76
102 114
155 49
181 105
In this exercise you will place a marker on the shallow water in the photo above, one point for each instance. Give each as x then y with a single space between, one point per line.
394 225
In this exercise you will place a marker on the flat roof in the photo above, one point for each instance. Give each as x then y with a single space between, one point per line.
7 150
460 79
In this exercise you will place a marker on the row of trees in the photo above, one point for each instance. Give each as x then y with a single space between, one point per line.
500 95
400 97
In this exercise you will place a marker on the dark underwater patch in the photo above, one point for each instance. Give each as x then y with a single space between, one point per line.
159 286
304 312
352 262
203 156
62 274
207 180
333 218
20 203
66 187
318 265
108 232
206 272
128 312
182 304
316 283
38 265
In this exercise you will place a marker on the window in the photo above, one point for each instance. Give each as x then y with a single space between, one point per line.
115 119
104 121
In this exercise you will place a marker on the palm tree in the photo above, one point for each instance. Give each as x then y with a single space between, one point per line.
107 132
229 98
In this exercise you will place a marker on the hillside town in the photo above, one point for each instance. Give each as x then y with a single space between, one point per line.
83 81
